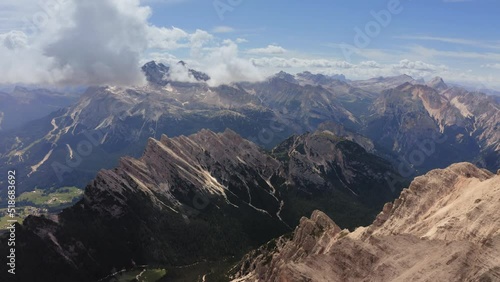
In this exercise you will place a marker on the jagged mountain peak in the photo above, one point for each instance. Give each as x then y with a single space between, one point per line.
285 76
438 84
321 79
155 72
397 79
160 74
402 77
381 84
405 86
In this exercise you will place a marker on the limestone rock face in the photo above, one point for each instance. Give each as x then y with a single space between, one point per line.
444 227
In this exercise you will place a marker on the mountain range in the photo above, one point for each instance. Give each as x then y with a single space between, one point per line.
179 174
416 126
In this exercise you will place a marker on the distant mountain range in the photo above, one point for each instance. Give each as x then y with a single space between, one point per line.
22 105
416 126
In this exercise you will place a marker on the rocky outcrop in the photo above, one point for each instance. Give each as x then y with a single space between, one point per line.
444 227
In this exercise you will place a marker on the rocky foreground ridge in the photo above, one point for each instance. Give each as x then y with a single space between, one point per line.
444 227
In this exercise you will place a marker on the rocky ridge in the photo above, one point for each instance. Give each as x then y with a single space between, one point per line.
444 227
204 197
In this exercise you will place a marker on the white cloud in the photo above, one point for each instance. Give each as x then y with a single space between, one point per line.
223 29
269 50
14 40
417 65
78 42
491 66
198 40
180 72
166 38
224 65
104 43
222 62
370 64
278 62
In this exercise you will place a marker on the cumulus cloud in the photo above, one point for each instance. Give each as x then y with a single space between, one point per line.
78 42
14 40
224 65
166 38
22 63
221 61
197 41
180 72
103 44
92 42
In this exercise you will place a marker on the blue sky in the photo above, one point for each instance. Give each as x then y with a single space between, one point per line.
314 27
307 26
459 40
436 31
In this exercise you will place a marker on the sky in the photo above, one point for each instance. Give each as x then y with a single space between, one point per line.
104 42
